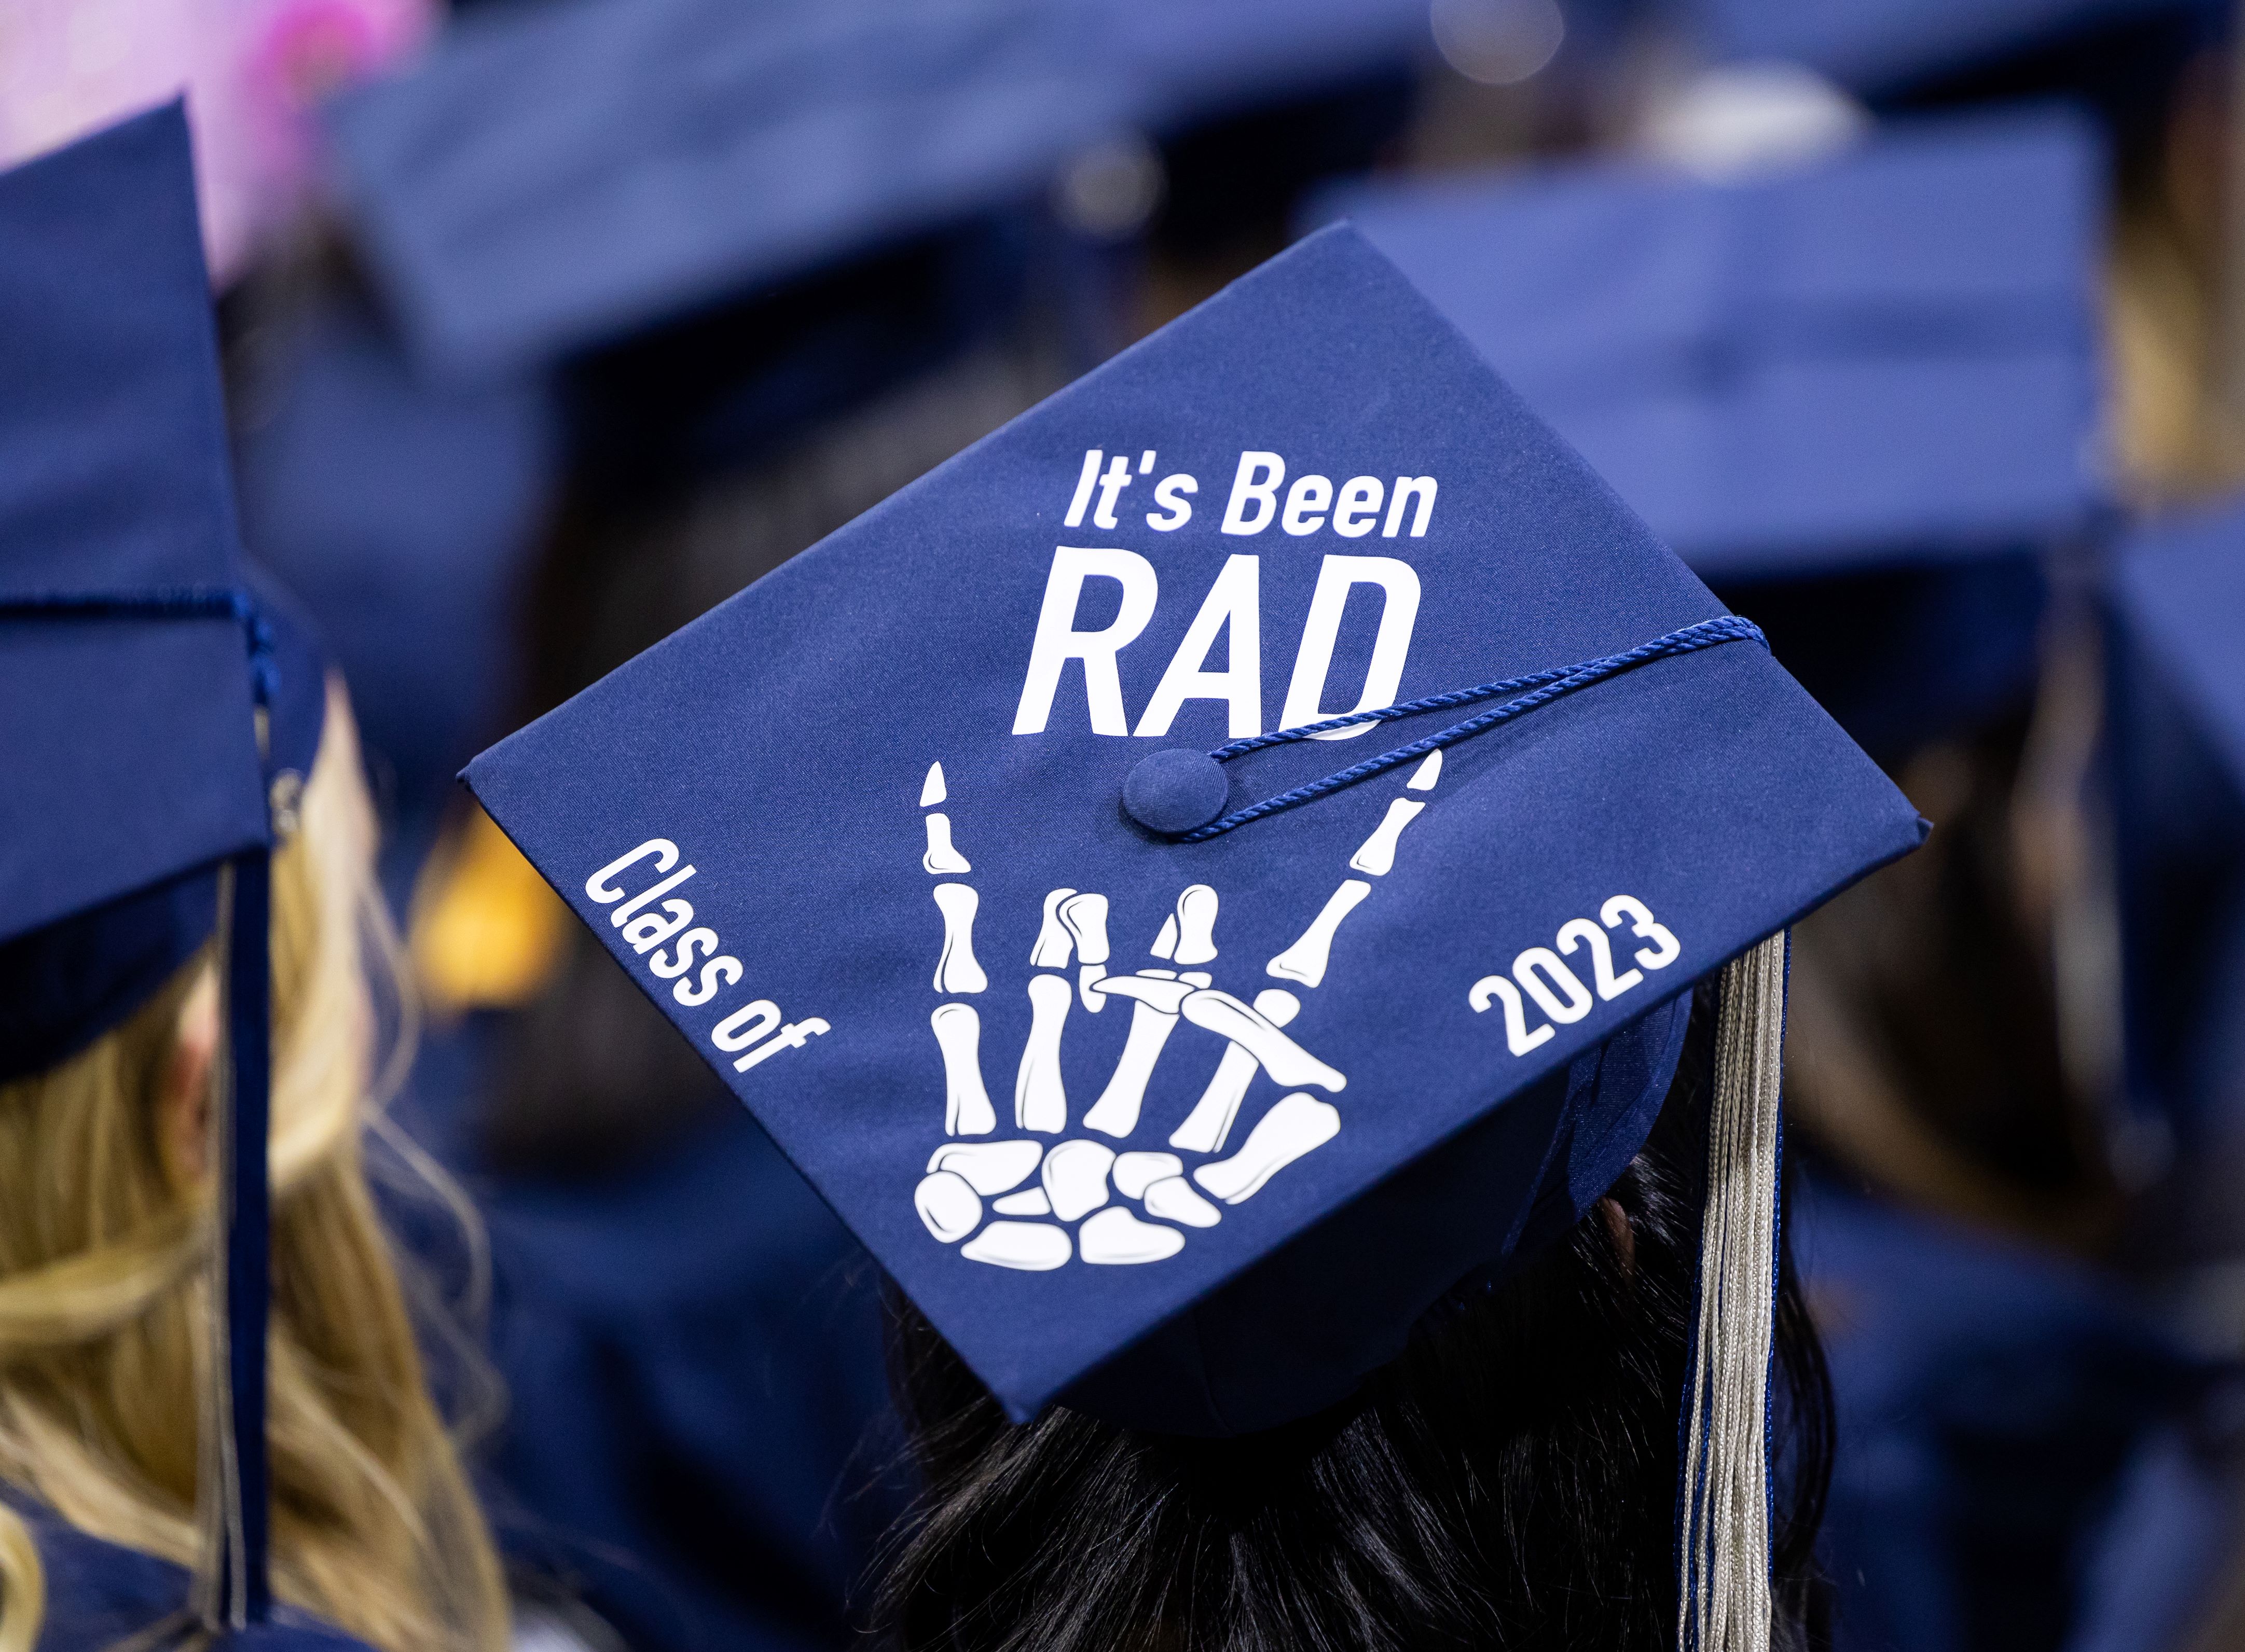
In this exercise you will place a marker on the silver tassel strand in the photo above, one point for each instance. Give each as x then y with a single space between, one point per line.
1724 1601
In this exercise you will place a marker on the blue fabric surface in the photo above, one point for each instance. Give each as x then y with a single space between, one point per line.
1988 1399
787 743
2168 1543
695 1429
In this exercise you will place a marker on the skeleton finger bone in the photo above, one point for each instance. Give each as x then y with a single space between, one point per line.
1173 1199
1086 984
1288 1062
1076 1177
1376 855
988 1167
1163 991
1297 1125
1054 942
1040 1098
956 970
967 1109
1210 1122
1084 917
1115 1113
1033 1247
1135 1172
941 858
1304 961
1116 1237
1195 926
931 790
1424 776
947 1205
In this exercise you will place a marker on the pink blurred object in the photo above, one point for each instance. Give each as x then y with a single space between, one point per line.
253 71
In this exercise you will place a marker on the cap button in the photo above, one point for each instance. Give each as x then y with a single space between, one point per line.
1174 791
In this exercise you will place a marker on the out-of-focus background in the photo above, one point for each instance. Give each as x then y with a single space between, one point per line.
1917 326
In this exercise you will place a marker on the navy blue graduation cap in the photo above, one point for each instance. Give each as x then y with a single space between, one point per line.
1884 363
159 709
552 176
1174 1067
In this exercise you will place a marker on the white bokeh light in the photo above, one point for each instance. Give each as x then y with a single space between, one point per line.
1498 42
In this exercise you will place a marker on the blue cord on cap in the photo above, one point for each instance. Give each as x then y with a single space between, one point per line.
1173 790
166 602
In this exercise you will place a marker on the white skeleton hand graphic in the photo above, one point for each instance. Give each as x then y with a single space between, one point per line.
1035 1189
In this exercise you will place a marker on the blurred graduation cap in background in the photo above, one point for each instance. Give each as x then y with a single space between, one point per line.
1859 395
549 178
160 709
883 832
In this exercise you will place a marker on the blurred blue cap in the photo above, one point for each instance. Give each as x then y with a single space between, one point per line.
1886 357
1881 46
1872 379
1167 1069
156 700
125 624
553 176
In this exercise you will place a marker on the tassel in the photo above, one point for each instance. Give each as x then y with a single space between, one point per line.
232 1588
1723 1561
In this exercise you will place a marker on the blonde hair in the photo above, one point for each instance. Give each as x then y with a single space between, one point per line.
103 1291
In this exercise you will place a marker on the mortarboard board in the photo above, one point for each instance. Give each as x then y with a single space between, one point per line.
1880 366
158 705
1297 1039
551 177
